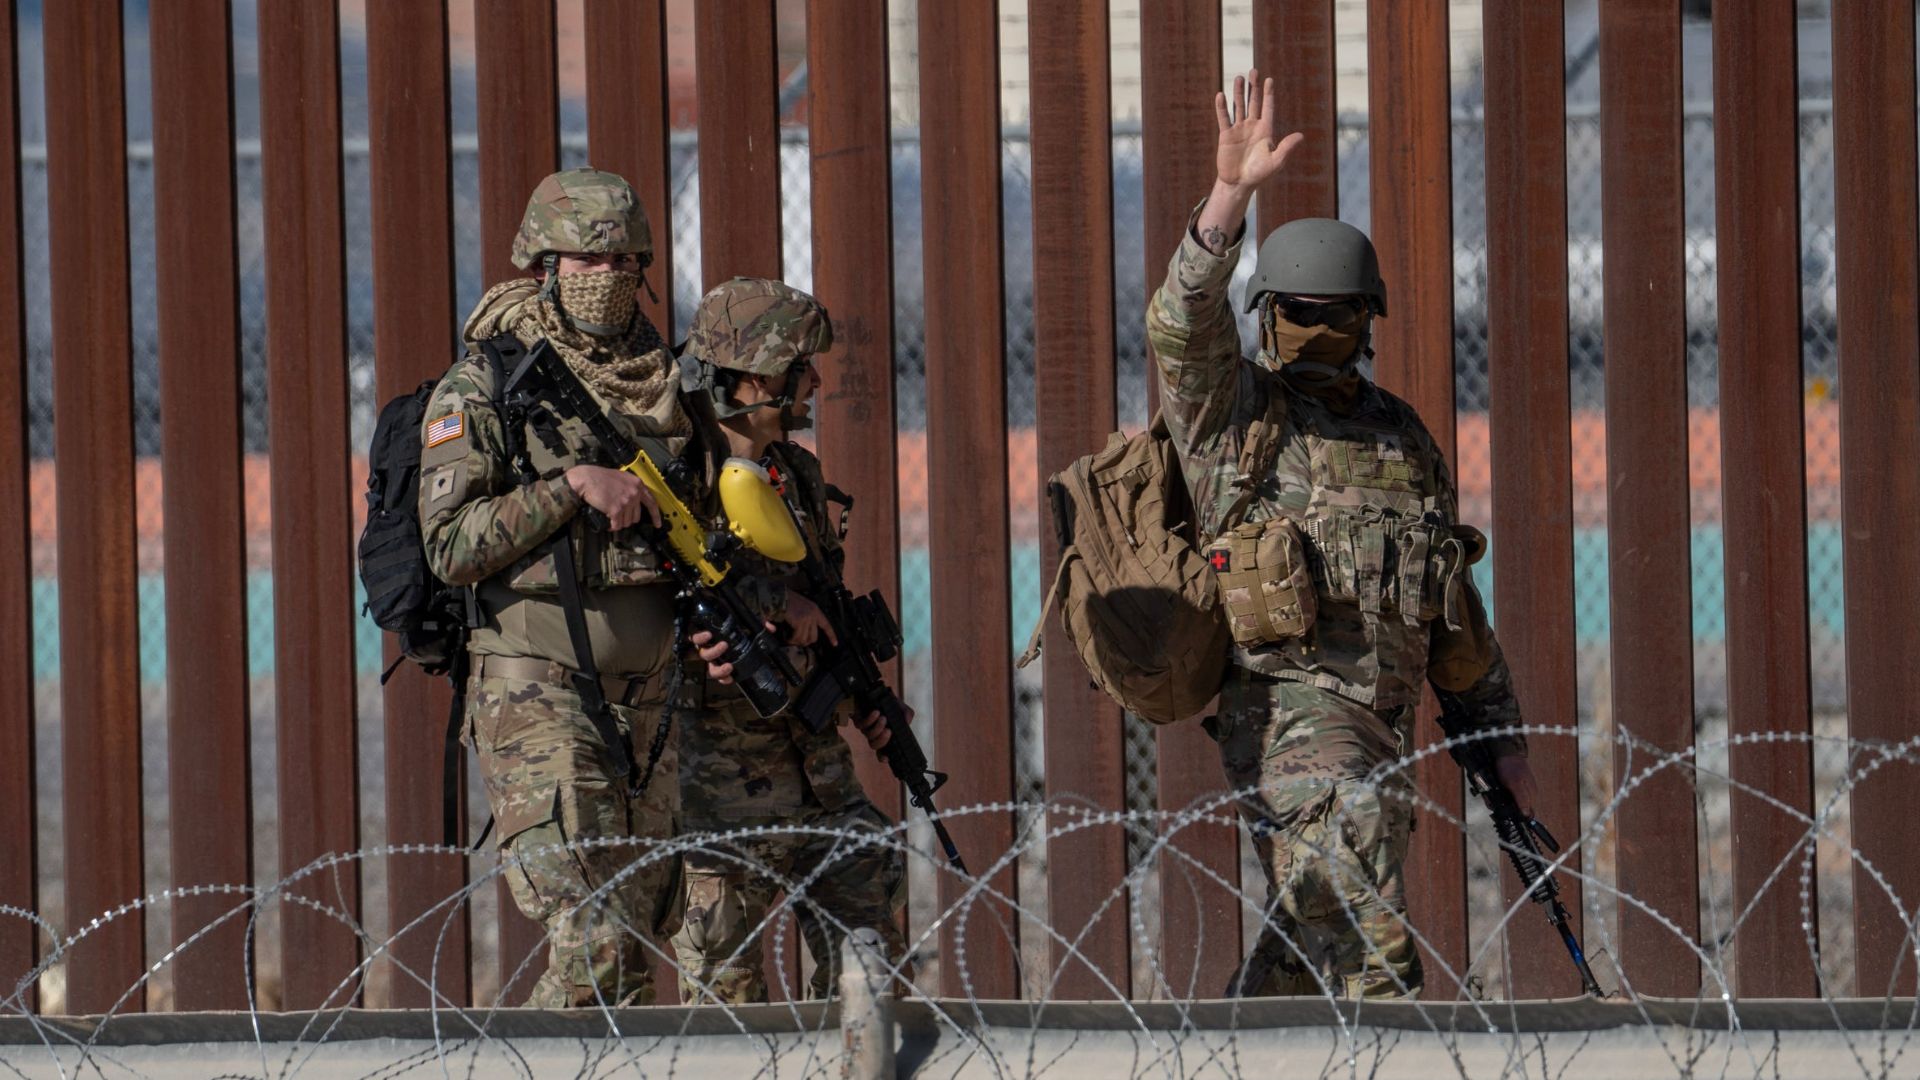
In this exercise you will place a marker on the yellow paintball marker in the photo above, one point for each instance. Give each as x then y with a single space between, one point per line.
698 559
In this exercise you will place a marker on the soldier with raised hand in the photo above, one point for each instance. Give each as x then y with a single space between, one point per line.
503 490
1332 523
751 353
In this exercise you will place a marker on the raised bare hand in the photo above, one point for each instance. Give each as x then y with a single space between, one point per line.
1246 154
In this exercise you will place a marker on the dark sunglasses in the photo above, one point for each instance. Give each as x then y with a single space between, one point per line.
1319 312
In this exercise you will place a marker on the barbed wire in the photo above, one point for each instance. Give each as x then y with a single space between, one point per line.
1168 1026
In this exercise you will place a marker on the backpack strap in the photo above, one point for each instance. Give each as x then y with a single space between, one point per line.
450 761
509 360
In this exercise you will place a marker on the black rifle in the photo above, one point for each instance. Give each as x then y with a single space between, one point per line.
868 637
1517 831
698 559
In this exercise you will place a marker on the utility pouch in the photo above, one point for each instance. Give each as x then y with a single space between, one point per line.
1432 557
1265 582
1391 565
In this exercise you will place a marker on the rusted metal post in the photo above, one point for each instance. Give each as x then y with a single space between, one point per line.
204 494
315 711
1879 270
1650 576
412 204
739 140
1531 424
850 141
20 854
19 850
519 115
1763 473
627 123
967 475
1074 410
1293 42
93 455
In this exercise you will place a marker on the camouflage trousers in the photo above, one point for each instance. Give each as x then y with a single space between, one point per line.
1332 843
834 884
582 856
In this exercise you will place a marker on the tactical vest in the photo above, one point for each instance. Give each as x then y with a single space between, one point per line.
605 560
1360 495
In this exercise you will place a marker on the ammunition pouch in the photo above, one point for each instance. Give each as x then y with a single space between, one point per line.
1385 563
1266 584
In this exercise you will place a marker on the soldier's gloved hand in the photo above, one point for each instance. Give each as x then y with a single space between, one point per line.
806 622
873 727
619 495
1517 775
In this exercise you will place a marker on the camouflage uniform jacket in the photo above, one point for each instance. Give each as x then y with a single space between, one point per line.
1367 486
482 525
735 766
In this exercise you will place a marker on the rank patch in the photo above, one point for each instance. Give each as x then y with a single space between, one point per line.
446 429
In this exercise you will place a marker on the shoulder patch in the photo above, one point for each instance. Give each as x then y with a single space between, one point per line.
446 429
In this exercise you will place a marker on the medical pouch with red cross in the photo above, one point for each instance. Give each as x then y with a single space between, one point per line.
1266 584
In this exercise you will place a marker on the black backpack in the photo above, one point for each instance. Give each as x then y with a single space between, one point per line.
431 617
403 595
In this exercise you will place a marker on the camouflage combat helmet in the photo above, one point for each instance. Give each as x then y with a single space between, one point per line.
583 211
757 326
1318 257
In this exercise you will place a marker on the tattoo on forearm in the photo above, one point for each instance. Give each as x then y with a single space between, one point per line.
1214 239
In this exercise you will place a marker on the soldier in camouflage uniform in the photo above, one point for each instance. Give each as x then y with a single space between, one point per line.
578 845
751 351
1343 572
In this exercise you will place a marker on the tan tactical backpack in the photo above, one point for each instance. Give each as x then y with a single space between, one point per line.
1136 596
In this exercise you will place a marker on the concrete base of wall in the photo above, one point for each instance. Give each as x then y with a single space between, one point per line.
1103 1040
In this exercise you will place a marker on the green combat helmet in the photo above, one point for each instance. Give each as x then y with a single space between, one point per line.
1318 257
583 211
754 326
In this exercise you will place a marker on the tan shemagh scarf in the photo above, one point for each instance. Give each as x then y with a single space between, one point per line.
634 371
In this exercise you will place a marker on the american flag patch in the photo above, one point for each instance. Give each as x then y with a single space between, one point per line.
446 429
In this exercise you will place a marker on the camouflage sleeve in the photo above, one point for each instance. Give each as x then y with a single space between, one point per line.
1491 703
1490 700
1195 342
475 518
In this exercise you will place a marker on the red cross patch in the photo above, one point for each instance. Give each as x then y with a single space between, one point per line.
1222 561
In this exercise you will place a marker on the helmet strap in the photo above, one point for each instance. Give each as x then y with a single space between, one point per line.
550 277
788 395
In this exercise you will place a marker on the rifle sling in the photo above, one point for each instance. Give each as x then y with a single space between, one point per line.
450 763
586 674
